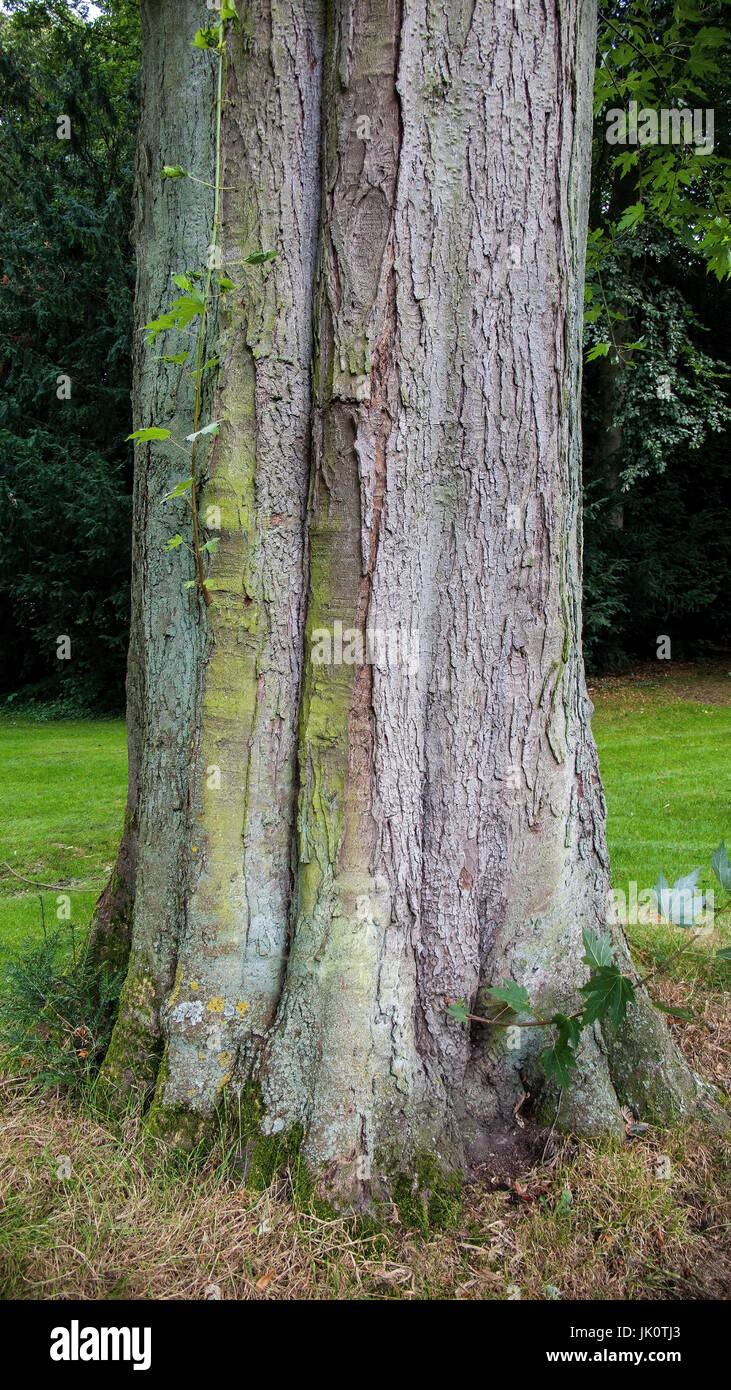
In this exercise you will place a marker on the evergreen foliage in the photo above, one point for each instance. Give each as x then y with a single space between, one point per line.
66 290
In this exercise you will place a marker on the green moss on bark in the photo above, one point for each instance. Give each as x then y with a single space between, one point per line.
133 1056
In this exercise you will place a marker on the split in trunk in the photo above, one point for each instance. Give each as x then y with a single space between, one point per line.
326 851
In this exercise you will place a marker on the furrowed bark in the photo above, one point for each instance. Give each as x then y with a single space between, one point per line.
329 850
451 827
167 636
332 1049
234 945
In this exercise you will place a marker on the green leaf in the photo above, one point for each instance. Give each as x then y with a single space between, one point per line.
626 161
560 1059
183 282
686 1015
180 489
225 284
177 358
607 994
458 1011
259 257
228 11
599 949
598 350
515 996
174 542
152 432
157 326
213 428
211 546
720 263
173 171
190 583
631 217
722 866
206 38
187 307
182 311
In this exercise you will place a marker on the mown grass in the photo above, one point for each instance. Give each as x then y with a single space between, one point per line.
62 795
664 745
647 1219
666 767
664 740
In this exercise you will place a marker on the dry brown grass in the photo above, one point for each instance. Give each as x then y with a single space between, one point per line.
706 1042
596 1221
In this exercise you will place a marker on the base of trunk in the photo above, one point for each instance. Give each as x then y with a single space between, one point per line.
422 1146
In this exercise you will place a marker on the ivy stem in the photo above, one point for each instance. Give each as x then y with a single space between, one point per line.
508 1023
204 315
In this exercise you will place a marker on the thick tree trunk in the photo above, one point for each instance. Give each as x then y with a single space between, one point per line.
325 853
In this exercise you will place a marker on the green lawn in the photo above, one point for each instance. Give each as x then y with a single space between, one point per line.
665 756
62 795
664 747
665 770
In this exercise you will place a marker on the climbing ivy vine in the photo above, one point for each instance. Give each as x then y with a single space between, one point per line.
607 993
199 290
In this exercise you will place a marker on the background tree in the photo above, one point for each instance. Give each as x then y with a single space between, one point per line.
656 389
66 283
318 857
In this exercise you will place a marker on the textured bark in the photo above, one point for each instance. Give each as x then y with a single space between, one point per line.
401 453
167 639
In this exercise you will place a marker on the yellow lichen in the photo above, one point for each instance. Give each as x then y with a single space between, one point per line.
176 986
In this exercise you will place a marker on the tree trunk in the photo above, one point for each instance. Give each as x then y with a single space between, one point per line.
326 853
